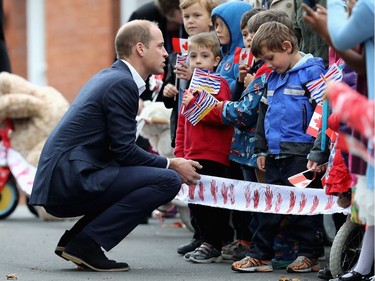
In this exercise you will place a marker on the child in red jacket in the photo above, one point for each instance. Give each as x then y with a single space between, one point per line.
208 141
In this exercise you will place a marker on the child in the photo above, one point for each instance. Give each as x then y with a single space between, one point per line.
209 142
282 140
240 152
226 19
243 115
196 16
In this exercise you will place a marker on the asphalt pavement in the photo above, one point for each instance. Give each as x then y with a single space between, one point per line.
27 253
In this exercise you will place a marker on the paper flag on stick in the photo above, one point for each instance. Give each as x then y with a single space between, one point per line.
180 45
205 80
301 180
318 86
203 104
315 122
243 56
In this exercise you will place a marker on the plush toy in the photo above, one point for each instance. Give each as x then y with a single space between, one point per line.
33 111
154 126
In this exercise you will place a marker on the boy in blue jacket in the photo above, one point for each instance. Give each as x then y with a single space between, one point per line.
282 143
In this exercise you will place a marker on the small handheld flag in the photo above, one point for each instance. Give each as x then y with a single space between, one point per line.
181 59
203 104
302 179
318 86
315 122
205 80
180 45
243 56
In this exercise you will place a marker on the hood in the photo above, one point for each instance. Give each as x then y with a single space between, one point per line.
230 13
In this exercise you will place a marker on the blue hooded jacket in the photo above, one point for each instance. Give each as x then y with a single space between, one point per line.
230 13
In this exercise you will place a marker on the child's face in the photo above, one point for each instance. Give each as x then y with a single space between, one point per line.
196 19
222 31
246 38
281 62
203 58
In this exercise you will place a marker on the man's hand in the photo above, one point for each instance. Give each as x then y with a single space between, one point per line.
186 169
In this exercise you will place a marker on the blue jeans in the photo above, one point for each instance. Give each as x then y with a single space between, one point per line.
305 228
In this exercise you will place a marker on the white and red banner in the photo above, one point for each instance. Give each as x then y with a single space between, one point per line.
259 197
22 171
180 45
243 56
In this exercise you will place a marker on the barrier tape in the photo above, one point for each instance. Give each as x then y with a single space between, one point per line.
259 197
22 171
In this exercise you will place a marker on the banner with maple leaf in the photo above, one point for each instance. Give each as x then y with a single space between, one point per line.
258 197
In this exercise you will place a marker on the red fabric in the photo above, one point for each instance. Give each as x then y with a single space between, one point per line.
209 139
352 107
339 178
263 69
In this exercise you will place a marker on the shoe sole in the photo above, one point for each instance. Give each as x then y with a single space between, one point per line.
310 269
253 269
227 257
81 262
59 251
211 260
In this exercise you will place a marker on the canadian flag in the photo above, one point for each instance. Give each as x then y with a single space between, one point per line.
300 180
180 45
315 122
243 56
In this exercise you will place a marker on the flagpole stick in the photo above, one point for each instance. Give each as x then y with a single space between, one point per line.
176 85
324 120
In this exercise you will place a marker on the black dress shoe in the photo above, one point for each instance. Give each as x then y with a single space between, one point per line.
85 252
325 273
64 240
354 276
186 248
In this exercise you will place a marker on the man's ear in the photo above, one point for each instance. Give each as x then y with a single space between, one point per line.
139 48
216 61
287 46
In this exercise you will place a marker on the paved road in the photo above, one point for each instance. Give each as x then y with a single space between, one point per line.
27 250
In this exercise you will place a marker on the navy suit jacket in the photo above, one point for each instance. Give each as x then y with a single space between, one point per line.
95 137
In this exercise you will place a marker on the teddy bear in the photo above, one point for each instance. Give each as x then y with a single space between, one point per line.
154 125
33 112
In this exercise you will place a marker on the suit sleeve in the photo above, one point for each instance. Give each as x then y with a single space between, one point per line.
121 105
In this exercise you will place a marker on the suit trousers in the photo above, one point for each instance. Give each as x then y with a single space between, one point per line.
110 216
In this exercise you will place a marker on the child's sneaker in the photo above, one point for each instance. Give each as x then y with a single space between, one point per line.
249 264
236 250
205 254
228 250
303 264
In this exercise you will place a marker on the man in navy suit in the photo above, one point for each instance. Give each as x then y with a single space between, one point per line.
90 165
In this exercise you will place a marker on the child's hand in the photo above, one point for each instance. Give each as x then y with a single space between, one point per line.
243 69
188 96
261 162
248 79
170 91
183 71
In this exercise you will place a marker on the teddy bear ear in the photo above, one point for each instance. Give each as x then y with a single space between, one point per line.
12 83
